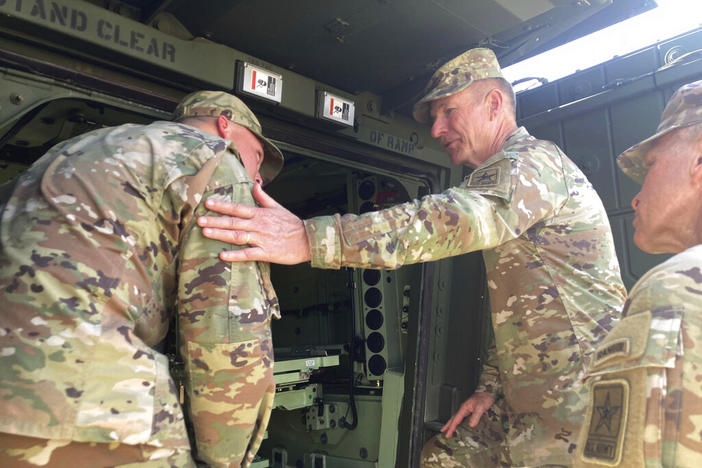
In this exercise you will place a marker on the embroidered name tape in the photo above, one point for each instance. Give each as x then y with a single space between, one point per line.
617 348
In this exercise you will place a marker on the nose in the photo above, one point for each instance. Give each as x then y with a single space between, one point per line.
438 128
258 179
635 201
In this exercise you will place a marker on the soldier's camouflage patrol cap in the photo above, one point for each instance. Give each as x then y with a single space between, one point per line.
456 75
216 103
683 109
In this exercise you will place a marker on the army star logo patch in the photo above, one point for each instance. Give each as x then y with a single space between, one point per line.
486 177
608 413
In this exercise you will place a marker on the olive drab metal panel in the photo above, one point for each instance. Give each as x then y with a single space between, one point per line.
597 113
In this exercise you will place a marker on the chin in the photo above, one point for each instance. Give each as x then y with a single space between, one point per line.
640 241
651 247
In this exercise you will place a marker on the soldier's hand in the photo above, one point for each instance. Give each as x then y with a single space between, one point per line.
475 406
272 233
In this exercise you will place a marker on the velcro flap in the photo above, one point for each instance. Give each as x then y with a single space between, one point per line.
494 179
646 339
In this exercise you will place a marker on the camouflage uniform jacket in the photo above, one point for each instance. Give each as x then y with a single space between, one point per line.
645 380
98 249
553 276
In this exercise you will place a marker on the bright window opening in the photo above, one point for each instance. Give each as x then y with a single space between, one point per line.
669 19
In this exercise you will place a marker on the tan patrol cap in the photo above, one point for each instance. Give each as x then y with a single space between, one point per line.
456 75
683 109
216 103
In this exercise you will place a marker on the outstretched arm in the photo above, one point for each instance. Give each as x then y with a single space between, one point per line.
273 233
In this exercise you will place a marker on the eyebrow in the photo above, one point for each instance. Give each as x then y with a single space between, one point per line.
437 108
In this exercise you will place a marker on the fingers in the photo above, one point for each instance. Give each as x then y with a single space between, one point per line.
244 255
231 209
238 237
224 222
475 418
451 426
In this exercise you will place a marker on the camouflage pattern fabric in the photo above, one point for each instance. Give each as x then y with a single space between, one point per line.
29 452
645 381
99 249
455 76
553 276
216 103
480 447
683 110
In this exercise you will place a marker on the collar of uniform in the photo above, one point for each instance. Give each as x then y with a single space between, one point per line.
518 135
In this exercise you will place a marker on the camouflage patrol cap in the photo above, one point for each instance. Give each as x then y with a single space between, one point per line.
683 110
216 103
456 75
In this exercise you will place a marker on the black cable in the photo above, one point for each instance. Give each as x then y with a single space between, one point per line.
352 353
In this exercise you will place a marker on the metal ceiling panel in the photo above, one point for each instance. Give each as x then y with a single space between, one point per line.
387 47
526 10
379 46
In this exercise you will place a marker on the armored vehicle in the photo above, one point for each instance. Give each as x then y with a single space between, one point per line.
369 363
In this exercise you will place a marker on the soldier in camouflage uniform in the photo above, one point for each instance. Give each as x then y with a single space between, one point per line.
646 376
98 250
553 275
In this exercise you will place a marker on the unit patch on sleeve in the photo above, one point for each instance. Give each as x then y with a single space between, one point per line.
486 177
608 411
493 179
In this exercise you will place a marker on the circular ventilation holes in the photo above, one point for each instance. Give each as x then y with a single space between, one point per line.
377 365
371 277
375 342
373 297
374 319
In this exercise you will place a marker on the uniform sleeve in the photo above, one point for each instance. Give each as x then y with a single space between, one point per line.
499 203
642 370
223 321
489 381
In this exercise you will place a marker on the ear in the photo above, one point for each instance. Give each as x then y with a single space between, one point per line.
495 101
696 161
223 125
696 170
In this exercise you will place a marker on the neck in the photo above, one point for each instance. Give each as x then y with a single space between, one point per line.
696 235
203 123
504 129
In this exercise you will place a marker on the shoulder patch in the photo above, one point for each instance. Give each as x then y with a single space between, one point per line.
608 413
493 179
624 344
486 177
618 348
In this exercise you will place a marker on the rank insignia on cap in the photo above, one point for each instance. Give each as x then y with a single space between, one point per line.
607 416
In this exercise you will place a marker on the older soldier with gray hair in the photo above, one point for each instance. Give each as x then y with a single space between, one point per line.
99 251
553 276
646 377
